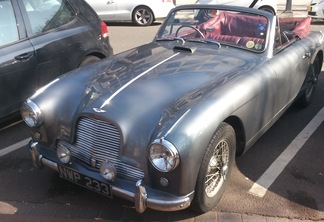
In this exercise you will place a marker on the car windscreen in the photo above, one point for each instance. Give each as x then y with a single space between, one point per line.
238 29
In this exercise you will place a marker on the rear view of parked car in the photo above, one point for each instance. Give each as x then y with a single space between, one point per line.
140 12
267 5
316 9
39 40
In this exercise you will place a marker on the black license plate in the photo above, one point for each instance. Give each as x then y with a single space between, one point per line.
85 181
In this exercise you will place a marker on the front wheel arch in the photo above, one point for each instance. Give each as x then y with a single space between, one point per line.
215 168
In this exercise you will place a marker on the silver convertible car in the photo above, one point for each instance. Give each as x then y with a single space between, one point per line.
161 124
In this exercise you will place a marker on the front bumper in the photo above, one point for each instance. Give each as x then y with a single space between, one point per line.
142 196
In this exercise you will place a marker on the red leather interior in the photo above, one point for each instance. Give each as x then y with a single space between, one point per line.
249 31
297 26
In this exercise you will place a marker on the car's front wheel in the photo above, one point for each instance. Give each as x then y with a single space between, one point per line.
215 168
143 16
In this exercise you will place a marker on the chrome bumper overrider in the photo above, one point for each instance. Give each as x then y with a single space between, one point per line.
141 198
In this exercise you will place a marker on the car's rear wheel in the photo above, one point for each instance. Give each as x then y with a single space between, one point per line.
215 169
143 16
89 59
312 77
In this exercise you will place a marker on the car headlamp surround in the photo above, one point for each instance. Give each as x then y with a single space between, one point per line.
31 114
63 154
163 155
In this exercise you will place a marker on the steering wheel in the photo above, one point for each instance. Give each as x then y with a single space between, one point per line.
284 36
189 26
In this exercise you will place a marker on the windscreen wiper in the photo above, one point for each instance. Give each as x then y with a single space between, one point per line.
205 41
172 39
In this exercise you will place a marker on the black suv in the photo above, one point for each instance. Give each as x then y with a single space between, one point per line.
41 39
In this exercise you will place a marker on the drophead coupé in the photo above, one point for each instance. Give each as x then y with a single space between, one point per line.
161 124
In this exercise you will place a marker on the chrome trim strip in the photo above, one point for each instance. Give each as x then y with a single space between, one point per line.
131 81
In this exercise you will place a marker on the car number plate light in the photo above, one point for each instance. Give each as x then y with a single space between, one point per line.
85 181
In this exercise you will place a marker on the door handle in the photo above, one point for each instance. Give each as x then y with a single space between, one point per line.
110 2
307 55
25 56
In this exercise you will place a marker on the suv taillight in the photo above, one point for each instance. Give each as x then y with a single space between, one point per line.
104 30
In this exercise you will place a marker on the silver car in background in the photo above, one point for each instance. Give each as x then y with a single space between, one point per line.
267 5
316 9
140 12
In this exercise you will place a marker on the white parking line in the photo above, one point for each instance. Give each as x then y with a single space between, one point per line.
261 186
14 147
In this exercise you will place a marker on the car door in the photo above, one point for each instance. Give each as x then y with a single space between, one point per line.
18 63
291 62
106 9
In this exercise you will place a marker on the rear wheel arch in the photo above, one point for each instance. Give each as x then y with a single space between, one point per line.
307 94
319 60
91 58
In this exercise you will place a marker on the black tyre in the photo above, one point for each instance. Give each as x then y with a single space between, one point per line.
89 59
215 169
143 16
311 82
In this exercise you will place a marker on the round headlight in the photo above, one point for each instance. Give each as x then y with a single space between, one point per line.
63 154
31 114
163 155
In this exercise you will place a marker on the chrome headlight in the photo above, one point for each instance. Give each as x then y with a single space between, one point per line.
31 114
163 155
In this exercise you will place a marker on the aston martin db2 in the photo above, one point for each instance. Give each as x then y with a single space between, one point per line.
161 124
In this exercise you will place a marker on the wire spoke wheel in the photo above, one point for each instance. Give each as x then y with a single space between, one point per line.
217 169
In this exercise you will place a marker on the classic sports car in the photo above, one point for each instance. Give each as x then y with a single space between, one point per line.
161 124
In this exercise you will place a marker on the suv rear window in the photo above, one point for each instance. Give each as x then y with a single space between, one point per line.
45 15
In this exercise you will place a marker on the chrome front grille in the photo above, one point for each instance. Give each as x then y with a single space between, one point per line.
97 141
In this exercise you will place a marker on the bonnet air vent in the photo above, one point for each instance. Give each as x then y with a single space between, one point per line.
184 49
